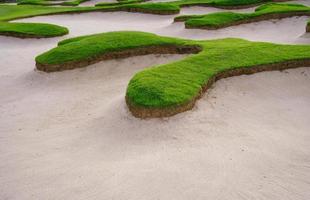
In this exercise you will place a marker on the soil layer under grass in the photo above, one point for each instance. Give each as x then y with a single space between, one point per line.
166 90
31 30
225 19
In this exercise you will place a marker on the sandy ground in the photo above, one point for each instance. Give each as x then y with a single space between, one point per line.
94 2
88 23
69 135
305 2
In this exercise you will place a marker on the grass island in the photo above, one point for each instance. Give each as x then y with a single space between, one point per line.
225 19
31 30
166 90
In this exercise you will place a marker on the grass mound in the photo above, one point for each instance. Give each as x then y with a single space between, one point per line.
225 19
81 51
168 89
31 30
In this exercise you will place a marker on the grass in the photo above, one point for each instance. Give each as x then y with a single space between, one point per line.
98 44
50 2
32 29
224 19
11 12
38 30
176 5
153 7
176 83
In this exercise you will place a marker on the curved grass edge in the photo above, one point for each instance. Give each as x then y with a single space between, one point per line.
32 30
252 20
308 27
143 112
228 6
153 49
220 20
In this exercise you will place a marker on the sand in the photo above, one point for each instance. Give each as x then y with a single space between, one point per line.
89 23
94 2
69 135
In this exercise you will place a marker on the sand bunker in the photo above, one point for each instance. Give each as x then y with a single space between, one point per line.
94 2
88 23
69 135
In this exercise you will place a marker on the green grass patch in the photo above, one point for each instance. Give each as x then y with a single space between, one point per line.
84 47
50 2
37 30
176 83
11 12
224 19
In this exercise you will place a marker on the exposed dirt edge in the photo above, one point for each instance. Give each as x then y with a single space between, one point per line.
141 112
246 21
25 35
163 49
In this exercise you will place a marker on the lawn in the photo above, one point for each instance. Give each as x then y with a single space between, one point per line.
225 19
34 30
11 12
178 84
38 30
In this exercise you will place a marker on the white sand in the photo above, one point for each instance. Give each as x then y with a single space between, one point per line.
88 23
304 2
94 2
69 135
198 10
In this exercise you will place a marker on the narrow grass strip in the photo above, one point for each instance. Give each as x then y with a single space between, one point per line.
31 30
226 19
166 90
82 51
12 12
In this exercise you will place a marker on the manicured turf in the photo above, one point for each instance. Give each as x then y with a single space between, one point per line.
37 30
176 5
80 48
179 82
224 19
50 2
11 12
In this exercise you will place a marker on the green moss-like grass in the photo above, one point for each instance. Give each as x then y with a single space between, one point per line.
84 47
50 2
225 19
11 12
178 83
36 30
176 5
31 30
